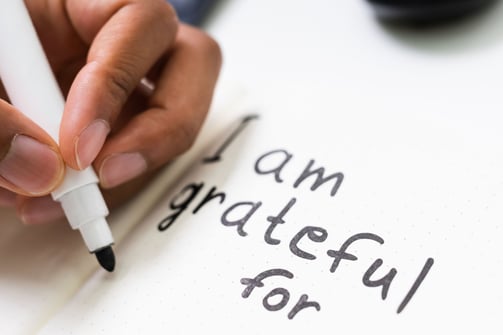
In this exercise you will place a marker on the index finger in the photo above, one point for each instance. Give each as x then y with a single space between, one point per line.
127 38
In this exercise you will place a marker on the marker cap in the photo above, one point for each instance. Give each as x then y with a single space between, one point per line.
86 211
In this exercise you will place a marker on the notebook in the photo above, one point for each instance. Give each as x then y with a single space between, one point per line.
307 214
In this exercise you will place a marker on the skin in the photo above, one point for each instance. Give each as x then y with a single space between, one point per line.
100 51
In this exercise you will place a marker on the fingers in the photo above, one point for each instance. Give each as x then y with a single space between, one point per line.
7 198
179 105
39 210
30 163
128 37
127 40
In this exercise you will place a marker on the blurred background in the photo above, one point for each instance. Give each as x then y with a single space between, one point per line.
344 47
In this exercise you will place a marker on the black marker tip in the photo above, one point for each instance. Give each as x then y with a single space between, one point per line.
106 258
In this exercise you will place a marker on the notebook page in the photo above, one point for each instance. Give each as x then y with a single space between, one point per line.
402 238
41 267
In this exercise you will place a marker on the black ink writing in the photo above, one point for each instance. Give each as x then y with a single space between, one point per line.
191 190
276 220
426 268
302 304
210 196
240 223
276 170
282 293
285 297
341 254
217 155
315 234
280 158
385 281
242 214
251 283
320 179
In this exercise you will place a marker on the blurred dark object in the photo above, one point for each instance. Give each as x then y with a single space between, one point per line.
193 11
426 10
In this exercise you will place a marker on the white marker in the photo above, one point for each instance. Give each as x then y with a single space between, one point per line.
32 88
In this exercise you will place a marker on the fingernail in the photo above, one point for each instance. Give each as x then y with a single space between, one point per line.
119 168
90 142
31 165
40 210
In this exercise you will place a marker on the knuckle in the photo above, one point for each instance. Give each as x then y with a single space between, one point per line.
168 11
185 135
120 83
208 45
168 137
166 14
199 43
213 49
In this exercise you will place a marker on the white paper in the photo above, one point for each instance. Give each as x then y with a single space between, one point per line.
430 189
413 121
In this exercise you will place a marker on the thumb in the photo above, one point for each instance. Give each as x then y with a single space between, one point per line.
30 163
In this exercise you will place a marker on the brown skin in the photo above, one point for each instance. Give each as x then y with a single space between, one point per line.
99 51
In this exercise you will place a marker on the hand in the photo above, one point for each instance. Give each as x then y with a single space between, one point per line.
100 51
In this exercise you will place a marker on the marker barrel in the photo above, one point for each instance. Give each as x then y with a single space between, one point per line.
32 88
